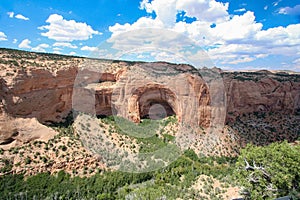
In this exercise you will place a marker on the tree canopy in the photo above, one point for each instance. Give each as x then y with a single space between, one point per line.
270 171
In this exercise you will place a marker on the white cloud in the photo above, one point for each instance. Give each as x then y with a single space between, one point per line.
56 52
167 56
280 36
19 16
57 49
87 48
72 53
233 40
143 22
10 14
2 36
297 61
235 54
154 45
25 44
237 29
60 29
290 11
204 10
40 47
164 10
240 10
65 44
266 7
15 41
243 59
275 3
241 27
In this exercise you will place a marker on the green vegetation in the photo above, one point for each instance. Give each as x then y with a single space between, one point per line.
145 133
264 172
65 127
258 76
33 55
7 165
269 172
280 161
263 128
170 182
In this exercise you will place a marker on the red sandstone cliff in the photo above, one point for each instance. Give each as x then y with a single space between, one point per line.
42 86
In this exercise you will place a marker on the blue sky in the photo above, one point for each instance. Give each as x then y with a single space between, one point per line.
232 34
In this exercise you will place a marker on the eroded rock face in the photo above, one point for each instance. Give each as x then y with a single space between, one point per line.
17 131
261 92
39 93
48 91
144 90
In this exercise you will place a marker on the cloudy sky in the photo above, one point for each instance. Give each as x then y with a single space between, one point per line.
234 34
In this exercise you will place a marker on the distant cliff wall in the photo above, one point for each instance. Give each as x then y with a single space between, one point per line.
249 92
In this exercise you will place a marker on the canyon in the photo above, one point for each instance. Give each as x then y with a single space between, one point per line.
48 87
210 111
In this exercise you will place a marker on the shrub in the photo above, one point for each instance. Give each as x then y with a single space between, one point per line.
269 172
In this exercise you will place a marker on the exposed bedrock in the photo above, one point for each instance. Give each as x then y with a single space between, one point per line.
136 90
38 93
265 93
145 90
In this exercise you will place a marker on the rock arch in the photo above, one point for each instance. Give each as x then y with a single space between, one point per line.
152 99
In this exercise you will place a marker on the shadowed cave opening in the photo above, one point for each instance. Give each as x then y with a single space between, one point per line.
156 109
106 112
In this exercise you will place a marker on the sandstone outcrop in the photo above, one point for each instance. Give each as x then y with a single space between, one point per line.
249 92
47 87
144 90
17 131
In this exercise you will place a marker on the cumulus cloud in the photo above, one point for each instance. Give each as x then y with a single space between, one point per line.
290 11
25 44
240 27
10 14
19 16
87 48
154 44
240 10
164 10
143 22
204 10
283 41
2 36
65 44
280 36
15 41
228 39
98 52
57 49
60 29
233 54
40 47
